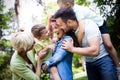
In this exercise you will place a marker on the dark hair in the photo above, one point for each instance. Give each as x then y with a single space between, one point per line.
72 34
65 13
37 30
65 1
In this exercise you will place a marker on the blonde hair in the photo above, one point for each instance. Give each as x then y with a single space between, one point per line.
22 40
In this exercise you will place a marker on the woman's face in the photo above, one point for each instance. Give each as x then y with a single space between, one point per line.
59 31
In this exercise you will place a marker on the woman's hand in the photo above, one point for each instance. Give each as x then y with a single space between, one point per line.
44 68
42 54
51 46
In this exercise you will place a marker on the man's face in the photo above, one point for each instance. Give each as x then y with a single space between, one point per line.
62 25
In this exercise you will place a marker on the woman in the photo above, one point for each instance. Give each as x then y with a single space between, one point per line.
61 58
23 64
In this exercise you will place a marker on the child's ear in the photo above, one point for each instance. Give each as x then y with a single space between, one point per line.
68 4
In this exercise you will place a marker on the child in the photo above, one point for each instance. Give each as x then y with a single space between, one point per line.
40 32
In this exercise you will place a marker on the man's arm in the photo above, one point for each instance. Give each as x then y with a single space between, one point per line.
91 50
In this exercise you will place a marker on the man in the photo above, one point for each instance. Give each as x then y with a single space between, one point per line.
83 12
99 65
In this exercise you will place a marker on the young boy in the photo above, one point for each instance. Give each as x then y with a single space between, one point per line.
40 32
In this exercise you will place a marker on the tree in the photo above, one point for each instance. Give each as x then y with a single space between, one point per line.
5 47
111 10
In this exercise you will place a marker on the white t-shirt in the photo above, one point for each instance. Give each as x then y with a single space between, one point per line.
92 31
83 12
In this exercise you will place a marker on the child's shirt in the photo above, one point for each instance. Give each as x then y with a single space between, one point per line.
42 44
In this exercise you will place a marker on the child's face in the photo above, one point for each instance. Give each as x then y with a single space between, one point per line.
44 35
60 4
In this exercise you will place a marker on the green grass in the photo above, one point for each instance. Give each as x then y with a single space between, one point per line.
79 74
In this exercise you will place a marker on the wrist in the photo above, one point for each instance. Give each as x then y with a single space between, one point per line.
72 49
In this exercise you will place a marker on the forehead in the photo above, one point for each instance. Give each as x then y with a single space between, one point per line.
60 4
59 21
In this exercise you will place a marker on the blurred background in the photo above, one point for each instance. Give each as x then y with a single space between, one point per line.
32 12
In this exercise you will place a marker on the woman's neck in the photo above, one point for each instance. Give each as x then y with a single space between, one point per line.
23 54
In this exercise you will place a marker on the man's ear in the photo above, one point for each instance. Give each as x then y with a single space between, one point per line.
68 21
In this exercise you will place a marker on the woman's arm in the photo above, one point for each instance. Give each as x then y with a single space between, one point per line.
38 69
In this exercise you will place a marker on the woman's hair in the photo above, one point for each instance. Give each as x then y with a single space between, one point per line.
72 34
22 40
37 30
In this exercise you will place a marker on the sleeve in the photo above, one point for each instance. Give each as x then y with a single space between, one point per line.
91 29
58 56
24 72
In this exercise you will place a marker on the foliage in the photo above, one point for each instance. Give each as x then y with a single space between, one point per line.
83 2
5 47
76 61
49 10
111 10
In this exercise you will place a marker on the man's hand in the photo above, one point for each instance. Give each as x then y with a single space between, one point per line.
67 45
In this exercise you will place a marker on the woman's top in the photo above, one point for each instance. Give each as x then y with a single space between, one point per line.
62 59
21 70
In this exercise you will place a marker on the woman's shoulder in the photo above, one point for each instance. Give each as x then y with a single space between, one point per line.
16 60
67 38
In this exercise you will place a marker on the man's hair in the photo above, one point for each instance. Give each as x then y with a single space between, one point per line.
65 13
65 1
37 30
22 40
